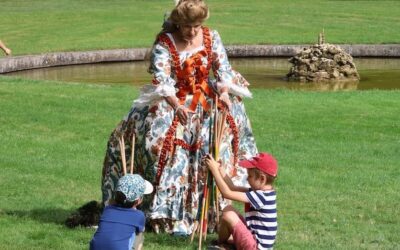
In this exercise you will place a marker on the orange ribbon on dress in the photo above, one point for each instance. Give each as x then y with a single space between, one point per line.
192 76
192 79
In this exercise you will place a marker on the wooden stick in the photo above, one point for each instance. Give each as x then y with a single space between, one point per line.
203 200
225 115
195 226
133 152
217 129
222 128
122 149
210 131
224 131
206 215
217 205
202 215
216 149
210 204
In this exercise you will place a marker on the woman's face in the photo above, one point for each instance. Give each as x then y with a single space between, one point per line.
189 31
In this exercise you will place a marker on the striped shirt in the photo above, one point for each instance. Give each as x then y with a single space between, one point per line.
261 216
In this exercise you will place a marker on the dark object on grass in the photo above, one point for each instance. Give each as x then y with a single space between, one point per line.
214 245
87 215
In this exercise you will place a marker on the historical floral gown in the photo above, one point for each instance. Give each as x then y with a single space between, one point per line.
169 154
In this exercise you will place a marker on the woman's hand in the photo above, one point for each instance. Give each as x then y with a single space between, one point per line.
224 98
180 110
183 114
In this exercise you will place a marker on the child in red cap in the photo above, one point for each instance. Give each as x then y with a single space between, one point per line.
257 230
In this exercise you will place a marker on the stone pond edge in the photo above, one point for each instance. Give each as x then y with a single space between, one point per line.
17 63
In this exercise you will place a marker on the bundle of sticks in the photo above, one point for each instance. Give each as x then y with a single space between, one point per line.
121 142
209 206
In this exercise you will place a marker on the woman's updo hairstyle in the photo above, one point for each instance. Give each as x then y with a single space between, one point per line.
189 12
185 12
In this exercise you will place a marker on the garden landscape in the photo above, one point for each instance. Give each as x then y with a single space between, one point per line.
338 151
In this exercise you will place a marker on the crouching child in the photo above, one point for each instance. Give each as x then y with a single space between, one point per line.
121 224
257 230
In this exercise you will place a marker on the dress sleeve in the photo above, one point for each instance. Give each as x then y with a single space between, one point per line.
163 81
225 75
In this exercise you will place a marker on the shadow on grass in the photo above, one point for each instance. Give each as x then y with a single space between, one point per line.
87 215
58 216
45 215
160 241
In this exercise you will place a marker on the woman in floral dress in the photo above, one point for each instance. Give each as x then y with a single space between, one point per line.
171 120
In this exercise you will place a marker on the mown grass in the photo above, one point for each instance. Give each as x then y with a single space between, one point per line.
339 155
32 27
339 152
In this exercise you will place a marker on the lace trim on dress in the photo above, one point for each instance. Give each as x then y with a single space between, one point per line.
152 94
183 55
239 88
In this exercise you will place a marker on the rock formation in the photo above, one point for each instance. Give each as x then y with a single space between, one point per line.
322 62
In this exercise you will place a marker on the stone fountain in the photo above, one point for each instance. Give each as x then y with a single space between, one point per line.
322 62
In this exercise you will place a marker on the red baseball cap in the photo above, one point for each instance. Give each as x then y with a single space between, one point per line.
263 161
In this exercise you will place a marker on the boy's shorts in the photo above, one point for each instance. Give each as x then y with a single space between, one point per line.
242 236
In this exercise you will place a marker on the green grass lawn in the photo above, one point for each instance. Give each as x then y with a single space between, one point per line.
32 27
339 156
339 152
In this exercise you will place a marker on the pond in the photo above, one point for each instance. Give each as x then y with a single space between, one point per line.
376 73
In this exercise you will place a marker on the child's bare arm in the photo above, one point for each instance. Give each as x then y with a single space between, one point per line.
226 191
230 184
139 241
4 48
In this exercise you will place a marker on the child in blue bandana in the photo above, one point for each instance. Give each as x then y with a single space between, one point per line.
121 222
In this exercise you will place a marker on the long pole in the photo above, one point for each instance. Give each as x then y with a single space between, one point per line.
122 149
132 152
203 213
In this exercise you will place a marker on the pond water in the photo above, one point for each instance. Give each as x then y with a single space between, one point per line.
376 73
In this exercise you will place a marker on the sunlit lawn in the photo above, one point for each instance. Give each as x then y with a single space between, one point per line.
339 155
32 27
338 152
